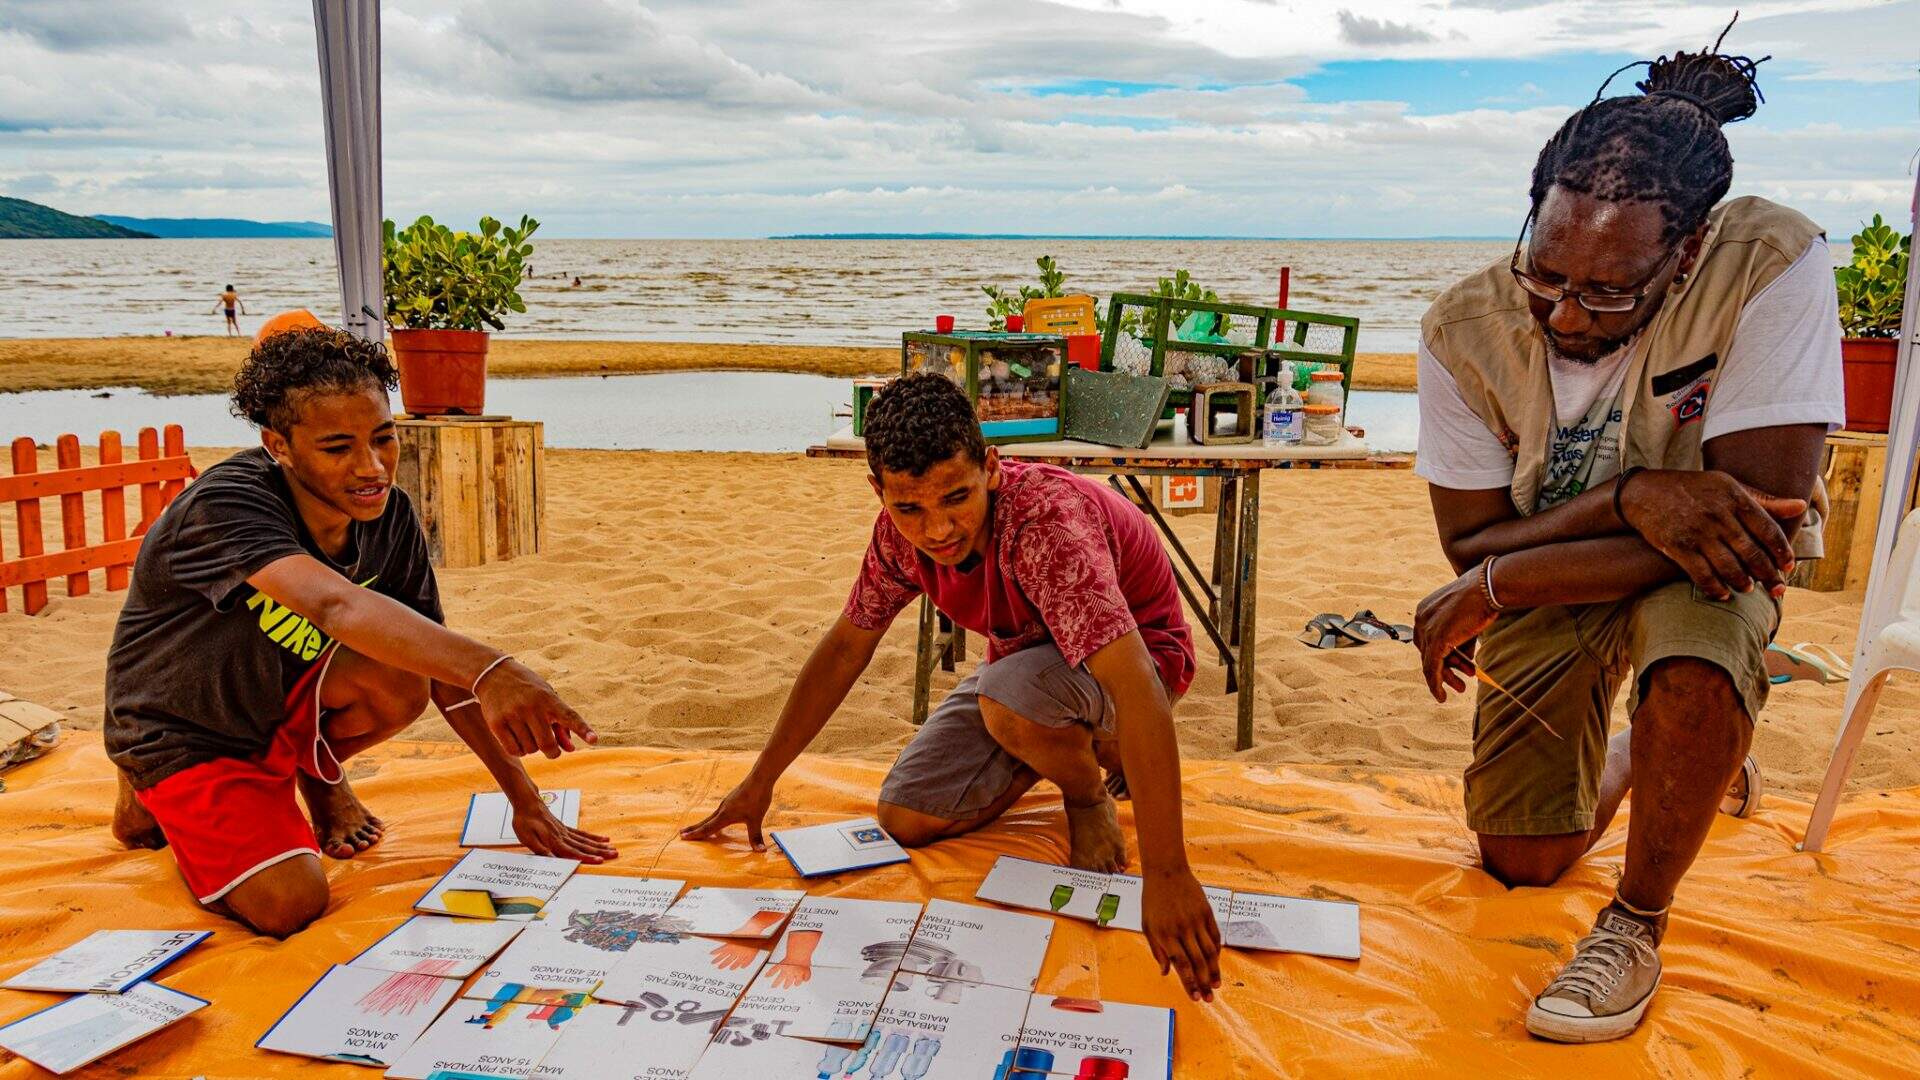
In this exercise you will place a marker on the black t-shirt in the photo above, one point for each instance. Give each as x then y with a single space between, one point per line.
202 662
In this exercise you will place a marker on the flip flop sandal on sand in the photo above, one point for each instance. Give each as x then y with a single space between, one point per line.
1330 631
1805 662
1367 625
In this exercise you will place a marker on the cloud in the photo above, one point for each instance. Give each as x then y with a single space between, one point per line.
92 25
1361 30
752 117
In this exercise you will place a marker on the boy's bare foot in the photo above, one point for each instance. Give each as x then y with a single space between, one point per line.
133 826
1094 839
341 822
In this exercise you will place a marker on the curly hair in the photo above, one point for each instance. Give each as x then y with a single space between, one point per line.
1663 146
918 421
289 365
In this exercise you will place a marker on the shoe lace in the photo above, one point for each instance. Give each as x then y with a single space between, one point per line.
1600 961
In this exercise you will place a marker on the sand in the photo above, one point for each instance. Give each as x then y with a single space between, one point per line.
205 365
682 591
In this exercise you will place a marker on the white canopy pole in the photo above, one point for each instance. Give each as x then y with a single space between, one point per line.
348 32
1903 448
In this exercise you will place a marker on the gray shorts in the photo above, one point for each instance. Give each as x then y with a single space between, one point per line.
953 769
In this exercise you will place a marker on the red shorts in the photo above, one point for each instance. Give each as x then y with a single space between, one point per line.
230 818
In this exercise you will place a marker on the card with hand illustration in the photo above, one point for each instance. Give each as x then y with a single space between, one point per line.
698 978
739 913
838 932
978 944
815 1002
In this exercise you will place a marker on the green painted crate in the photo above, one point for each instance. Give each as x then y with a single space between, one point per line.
1312 337
1013 379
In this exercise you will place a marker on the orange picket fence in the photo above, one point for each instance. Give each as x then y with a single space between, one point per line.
161 473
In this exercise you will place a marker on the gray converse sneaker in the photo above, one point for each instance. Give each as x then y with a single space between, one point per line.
1743 798
1604 990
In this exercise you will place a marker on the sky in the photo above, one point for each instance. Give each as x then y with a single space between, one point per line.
742 118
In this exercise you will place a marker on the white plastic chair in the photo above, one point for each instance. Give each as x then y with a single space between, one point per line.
1893 647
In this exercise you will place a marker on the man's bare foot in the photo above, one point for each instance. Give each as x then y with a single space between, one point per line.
133 826
341 822
1094 839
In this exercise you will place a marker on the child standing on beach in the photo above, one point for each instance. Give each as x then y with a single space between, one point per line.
230 300
284 617
1087 652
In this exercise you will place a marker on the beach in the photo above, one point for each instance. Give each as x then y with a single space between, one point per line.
679 594
205 364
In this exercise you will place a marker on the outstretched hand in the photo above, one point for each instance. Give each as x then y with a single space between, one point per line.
544 834
526 715
744 805
1182 932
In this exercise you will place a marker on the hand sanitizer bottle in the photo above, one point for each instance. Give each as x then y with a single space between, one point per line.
1285 418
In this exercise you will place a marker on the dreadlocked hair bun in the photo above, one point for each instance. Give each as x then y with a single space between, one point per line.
1663 146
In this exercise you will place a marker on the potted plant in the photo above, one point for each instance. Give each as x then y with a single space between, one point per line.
1872 292
444 289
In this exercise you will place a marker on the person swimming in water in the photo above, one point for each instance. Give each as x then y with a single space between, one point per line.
231 300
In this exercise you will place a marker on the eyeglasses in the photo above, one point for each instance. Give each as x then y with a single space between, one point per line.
1607 303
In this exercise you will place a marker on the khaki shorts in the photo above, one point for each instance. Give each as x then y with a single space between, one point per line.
1567 664
953 769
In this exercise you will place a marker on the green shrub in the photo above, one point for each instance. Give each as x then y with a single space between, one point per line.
1001 303
439 279
1873 287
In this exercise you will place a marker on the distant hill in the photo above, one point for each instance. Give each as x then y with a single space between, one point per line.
23 220
224 228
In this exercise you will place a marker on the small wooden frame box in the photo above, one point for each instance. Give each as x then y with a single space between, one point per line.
1014 380
1217 398
478 484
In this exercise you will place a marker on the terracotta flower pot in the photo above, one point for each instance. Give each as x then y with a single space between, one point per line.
442 371
1868 365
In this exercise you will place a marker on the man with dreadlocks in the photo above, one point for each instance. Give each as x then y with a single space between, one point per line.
1621 428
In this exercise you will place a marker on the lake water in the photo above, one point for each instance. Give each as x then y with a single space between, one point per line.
811 292
698 410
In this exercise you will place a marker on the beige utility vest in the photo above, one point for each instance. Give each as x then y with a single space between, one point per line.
1482 332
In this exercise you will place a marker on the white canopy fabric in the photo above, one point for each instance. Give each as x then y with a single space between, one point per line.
348 32
1903 451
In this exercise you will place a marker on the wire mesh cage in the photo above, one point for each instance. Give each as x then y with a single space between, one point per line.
1014 380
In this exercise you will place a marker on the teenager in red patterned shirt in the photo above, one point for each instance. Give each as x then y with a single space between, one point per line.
1087 651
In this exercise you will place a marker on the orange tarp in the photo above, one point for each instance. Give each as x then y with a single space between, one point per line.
1777 963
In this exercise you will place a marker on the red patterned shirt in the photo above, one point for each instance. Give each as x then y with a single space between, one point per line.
1069 561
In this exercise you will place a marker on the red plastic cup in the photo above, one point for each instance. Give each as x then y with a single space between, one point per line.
1016 323
943 324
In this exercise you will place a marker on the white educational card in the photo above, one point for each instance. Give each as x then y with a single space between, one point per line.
843 845
360 1015
1119 907
834 932
490 817
475 1038
88 1027
1285 923
697 979
580 937
589 894
741 913
1084 1038
814 1002
937 1029
979 944
497 885
626 1042
1062 890
107 961
755 1054
438 945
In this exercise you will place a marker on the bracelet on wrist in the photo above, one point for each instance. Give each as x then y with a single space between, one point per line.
1486 583
485 671
1620 488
